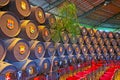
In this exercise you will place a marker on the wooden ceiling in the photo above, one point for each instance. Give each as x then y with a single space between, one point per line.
100 13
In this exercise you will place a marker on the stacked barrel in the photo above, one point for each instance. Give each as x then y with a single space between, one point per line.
27 49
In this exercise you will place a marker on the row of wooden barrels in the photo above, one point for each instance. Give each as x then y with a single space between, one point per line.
23 10
17 49
28 69
27 29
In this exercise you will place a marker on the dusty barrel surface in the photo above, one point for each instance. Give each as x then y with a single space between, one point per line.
7 71
60 50
50 49
94 40
100 41
117 35
73 60
64 37
84 31
20 7
64 61
50 20
26 69
76 49
2 50
110 35
37 14
118 42
104 50
29 30
98 50
68 49
9 25
91 50
44 65
113 42
37 50
55 63
4 2
44 33
84 50
87 40
111 50
104 34
81 40
107 42
17 49
91 32
98 33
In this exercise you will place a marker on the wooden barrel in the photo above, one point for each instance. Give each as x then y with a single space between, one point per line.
44 33
107 42
117 35
68 49
104 50
73 38
117 50
91 32
100 41
55 36
60 50
44 65
2 50
113 42
98 33
94 40
7 71
76 49
20 7
95 46
50 20
81 40
4 2
73 61
50 49
84 50
84 31
110 50
91 50
98 50
29 30
26 69
37 14
110 35
64 37
37 50
118 42
55 63
17 49
9 25
64 63
104 34
87 40
88 46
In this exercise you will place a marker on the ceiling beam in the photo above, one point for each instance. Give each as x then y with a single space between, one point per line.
92 10
108 19
53 5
